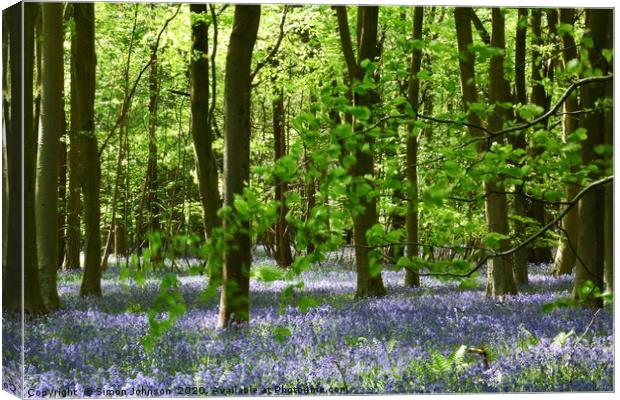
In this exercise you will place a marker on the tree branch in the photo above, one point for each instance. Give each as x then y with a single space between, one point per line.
530 239
275 48
484 35
355 71
129 96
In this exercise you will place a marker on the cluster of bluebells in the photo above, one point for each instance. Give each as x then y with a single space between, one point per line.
377 345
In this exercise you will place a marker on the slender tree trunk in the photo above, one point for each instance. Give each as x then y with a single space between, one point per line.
518 142
83 71
591 237
74 206
284 258
47 154
538 253
310 196
120 242
565 258
235 297
202 134
609 189
152 184
6 110
412 279
62 189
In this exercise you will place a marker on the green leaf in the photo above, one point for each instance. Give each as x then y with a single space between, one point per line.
530 111
562 337
306 302
579 135
281 334
493 239
359 112
452 168
268 273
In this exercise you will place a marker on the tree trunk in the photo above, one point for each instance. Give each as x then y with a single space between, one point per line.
120 244
565 258
202 134
21 241
500 275
83 65
538 253
591 236
62 189
151 174
412 279
518 142
234 300
47 153
6 101
500 269
74 209
284 258
368 284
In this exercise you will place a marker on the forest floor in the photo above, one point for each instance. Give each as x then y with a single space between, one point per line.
407 342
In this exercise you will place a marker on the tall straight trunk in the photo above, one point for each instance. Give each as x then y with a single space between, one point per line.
310 197
235 296
368 284
83 65
202 134
62 189
591 236
5 127
74 210
609 195
412 279
538 253
500 269
21 222
500 275
284 258
565 258
518 142
152 184
48 150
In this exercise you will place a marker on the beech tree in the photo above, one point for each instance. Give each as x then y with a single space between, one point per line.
202 132
369 283
83 66
592 218
234 300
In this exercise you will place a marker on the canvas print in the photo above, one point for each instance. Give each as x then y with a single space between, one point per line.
257 200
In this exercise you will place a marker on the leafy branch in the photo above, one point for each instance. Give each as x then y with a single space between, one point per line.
129 96
530 239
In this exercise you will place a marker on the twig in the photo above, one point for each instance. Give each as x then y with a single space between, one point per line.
530 239
580 338
275 48
127 100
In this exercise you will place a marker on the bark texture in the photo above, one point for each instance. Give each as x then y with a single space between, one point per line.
591 237
202 133
83 65
235 297
46 196
565 258
412 279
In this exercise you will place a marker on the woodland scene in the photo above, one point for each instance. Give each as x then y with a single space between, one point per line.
241 199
